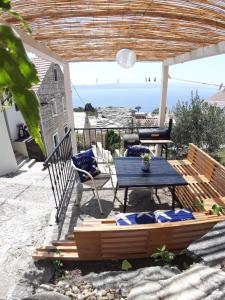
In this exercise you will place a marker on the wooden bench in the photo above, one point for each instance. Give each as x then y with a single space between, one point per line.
206 178
103 240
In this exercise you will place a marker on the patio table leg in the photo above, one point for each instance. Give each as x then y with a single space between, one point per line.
125 199
173 197
166 149
115 192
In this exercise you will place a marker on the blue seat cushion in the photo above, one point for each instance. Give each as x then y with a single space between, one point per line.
86 161
173 215
123 219
137 150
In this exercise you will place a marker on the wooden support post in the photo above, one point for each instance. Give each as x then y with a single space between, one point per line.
69 104
202 52
163 98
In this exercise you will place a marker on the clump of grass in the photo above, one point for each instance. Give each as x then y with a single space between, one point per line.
164 255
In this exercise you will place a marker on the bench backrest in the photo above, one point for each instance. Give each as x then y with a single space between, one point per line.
111 241
207 166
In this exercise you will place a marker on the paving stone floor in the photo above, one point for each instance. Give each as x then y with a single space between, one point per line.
25 207
140 199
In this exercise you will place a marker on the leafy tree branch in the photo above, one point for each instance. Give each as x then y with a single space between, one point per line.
199 123
18 74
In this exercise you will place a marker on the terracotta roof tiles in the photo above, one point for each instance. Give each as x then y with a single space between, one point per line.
42 67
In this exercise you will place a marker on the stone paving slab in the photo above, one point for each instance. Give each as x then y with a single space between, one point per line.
197 283
211 247
121 279
26 204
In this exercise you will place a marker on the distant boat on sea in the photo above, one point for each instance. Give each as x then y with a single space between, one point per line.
146 95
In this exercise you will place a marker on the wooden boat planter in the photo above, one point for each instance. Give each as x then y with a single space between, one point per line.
104 240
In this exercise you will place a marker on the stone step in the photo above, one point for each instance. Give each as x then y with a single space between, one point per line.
28 164
22 161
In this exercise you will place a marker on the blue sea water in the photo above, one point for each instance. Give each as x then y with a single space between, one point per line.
131 95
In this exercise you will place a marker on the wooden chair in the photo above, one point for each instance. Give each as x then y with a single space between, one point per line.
95 180
137 150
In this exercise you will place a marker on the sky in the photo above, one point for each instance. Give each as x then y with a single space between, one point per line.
211 70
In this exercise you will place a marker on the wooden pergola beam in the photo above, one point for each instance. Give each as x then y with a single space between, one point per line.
203 52
31 45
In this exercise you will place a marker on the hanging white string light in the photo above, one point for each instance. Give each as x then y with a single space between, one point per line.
126 58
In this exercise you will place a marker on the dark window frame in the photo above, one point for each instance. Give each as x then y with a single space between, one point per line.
55 74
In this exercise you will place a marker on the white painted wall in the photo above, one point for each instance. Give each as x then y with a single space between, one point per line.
7 158
14 118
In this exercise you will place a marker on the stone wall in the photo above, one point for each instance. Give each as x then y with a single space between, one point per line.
51 89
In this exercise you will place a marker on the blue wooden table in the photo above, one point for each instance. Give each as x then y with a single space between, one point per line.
161 174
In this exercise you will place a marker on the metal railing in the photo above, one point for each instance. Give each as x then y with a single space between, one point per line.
87 137
61 174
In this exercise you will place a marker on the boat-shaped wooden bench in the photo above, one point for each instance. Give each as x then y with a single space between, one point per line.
205 177
102 239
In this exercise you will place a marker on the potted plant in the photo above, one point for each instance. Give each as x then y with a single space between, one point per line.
146 161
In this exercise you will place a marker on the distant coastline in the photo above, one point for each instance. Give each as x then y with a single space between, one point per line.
130 95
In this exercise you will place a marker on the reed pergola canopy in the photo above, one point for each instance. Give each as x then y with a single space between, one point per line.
95 30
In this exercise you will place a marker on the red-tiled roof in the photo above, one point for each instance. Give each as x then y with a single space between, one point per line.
42 67
217 99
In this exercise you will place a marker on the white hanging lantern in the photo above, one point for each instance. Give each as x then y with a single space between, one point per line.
126 58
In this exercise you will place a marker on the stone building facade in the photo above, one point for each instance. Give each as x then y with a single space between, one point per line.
53 110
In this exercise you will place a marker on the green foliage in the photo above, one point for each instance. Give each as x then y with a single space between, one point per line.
146 157
199 123
163 254
58 264
89 108
112 141
78 109
138 108
217 209
155 111
198 203
126 265
18 74
5 4
220 156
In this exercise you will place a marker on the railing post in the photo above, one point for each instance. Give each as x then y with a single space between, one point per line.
60 173
163 98
69 104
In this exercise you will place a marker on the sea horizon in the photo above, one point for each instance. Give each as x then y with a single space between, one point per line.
145 95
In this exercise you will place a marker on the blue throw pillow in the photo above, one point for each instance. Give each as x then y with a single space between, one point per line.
135 218
86 161
173 215
137 150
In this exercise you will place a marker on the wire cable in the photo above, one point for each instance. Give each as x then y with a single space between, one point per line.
199 82
83 102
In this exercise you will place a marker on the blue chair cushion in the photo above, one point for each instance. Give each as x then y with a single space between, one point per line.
86 161
173 215
135 218
137 150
